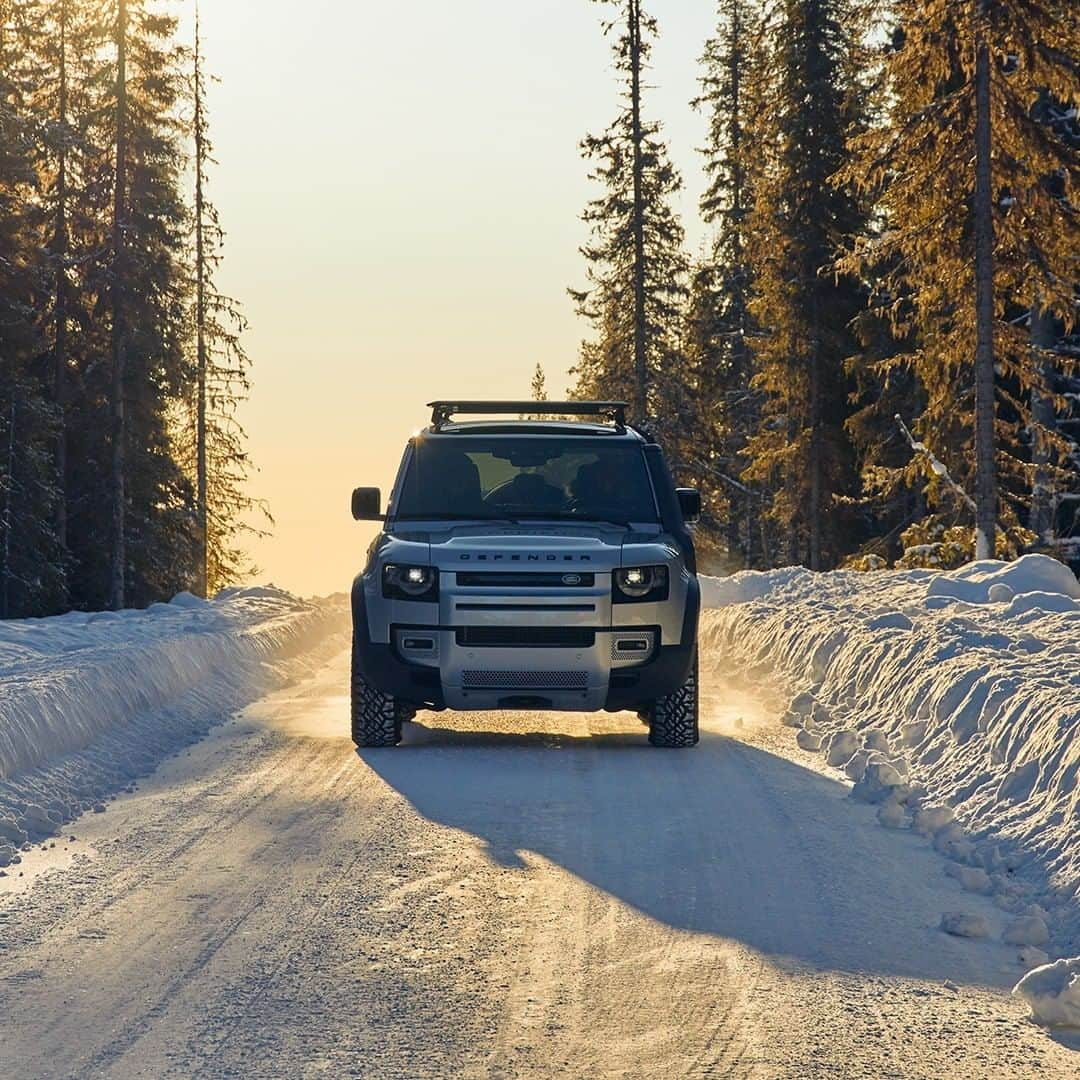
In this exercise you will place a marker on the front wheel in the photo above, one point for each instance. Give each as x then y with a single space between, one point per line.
376 717
673 719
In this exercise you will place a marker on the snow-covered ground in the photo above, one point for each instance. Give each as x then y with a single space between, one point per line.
527 895
511 890
88 702
951 701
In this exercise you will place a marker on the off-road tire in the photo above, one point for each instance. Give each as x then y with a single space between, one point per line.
376 717
674 718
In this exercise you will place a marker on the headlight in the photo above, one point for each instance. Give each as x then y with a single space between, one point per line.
635 583
410 582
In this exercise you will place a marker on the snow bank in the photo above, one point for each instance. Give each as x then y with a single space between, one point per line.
1053 993
87 701
749 585
951 700
983 582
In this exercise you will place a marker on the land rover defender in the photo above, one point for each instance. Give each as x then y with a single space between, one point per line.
528 564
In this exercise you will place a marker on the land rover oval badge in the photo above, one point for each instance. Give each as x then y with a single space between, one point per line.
571 579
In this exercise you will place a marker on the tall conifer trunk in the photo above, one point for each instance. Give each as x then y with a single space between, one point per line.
119 433
200 324
641 390
816 464
739 356
985 471
816 64
9 495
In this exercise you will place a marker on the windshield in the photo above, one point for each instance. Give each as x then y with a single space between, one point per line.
527 478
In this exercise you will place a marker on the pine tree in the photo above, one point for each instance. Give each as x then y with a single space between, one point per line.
539 384
636 268
982 216
60 251
30 577
66 52
202 150
799 222
1055 489
99 313
719 358
938 252
213 448
538 392
882 389
143 288
120 279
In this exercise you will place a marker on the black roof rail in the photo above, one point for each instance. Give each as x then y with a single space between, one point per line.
613 411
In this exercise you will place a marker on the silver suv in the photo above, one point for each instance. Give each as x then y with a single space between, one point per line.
528 564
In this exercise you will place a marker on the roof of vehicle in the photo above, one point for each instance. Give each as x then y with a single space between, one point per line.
533 427
545 418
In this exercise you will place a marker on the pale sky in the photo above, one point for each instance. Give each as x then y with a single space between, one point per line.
401 187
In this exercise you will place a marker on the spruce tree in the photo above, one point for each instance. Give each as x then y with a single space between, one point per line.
539 384
31 574
636 267
537 391
102 328
118 285
799 222
202 151
67 55
1055 483
144 286
211 442
719 325
59 249
939 253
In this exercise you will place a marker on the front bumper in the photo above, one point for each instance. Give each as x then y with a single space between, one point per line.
523 652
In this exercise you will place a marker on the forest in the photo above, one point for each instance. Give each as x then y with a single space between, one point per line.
875 360
122 461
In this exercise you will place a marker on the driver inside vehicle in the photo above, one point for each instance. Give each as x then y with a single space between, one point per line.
596 483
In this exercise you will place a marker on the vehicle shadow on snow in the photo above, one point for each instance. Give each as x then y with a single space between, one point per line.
726 840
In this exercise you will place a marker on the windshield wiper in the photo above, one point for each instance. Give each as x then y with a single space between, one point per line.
578 520
464 519
519 519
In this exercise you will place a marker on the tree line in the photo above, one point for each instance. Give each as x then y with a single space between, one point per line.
875 360
122 463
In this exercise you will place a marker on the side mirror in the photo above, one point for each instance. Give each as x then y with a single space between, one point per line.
367 504
689 503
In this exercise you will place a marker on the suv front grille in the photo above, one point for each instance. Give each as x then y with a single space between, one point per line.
525 680
476 579
528 636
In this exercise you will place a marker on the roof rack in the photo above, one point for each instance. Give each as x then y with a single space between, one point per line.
613 411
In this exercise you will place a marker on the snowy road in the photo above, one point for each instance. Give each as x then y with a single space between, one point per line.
500 897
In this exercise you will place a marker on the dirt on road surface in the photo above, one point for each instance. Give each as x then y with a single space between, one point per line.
505 895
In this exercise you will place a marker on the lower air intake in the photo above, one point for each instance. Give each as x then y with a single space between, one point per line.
525 680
